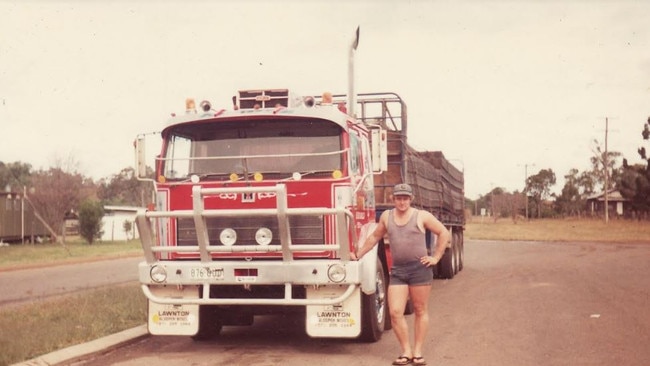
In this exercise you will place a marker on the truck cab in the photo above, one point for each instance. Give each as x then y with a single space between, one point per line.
257 210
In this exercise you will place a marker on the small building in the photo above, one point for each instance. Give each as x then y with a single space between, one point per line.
118 223
18 221
618 205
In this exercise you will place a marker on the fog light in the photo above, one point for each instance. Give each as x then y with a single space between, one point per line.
158 274
336 273
228 236
263 236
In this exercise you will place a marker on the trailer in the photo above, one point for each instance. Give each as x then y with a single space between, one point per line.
438 185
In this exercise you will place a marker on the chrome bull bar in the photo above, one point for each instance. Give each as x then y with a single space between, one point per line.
344 226
282 212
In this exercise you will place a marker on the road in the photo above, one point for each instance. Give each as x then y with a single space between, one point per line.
515 303
27 285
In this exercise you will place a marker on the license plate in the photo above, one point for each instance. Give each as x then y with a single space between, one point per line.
204 273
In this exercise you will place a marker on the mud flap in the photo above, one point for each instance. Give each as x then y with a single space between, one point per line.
333 321
167 319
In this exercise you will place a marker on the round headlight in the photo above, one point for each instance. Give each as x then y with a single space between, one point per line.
263 236
158 274
336 273
228 236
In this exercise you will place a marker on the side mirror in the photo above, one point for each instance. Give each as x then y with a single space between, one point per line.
379 150
140 158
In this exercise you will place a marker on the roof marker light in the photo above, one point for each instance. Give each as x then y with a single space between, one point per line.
190 106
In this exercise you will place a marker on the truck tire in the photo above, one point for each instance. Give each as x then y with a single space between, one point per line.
456 247
374 309
209 324
461 252
446 266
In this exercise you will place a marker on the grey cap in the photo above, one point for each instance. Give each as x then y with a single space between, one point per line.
403 189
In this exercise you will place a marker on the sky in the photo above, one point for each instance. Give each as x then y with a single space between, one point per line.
502 88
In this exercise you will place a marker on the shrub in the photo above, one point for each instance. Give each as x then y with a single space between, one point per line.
90 220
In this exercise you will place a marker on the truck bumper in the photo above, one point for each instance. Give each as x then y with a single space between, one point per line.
207 279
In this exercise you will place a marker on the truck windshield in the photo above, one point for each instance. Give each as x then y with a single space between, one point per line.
276 148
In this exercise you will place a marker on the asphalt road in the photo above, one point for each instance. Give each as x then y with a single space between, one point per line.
27 285
515 303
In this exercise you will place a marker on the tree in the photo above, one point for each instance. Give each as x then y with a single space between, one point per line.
635 181
505 204
14 176
90 220
571 201
539 187
604 163
128 227
54 192
125 189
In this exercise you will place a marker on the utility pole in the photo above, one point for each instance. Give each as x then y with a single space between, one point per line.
606 173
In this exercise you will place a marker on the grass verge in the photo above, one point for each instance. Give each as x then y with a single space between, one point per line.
34 255
562 230
39 328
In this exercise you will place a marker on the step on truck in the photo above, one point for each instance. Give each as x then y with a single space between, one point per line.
259 204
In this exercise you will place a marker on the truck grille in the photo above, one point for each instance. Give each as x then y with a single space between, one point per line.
304 230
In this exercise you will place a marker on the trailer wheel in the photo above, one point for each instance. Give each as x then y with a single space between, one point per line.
456 246
209 324
374 309
446 266
461 252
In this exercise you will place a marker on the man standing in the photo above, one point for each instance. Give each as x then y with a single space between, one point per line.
410 275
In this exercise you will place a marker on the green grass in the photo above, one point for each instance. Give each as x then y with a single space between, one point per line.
33 255
35 329
562 230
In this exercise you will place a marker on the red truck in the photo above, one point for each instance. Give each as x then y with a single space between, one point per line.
259 205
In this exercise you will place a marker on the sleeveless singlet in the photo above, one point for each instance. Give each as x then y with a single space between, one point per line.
407 241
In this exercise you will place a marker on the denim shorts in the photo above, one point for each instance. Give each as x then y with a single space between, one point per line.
411 273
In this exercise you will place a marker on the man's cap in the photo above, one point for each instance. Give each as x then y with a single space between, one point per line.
403 189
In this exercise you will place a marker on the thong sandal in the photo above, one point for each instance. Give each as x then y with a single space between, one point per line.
419 361
402 360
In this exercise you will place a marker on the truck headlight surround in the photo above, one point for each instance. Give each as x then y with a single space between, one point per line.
158 273
336 273
263 236
228 236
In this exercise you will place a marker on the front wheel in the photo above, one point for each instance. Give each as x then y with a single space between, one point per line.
209 323
374 309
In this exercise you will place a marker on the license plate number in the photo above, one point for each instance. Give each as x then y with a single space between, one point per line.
206 273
